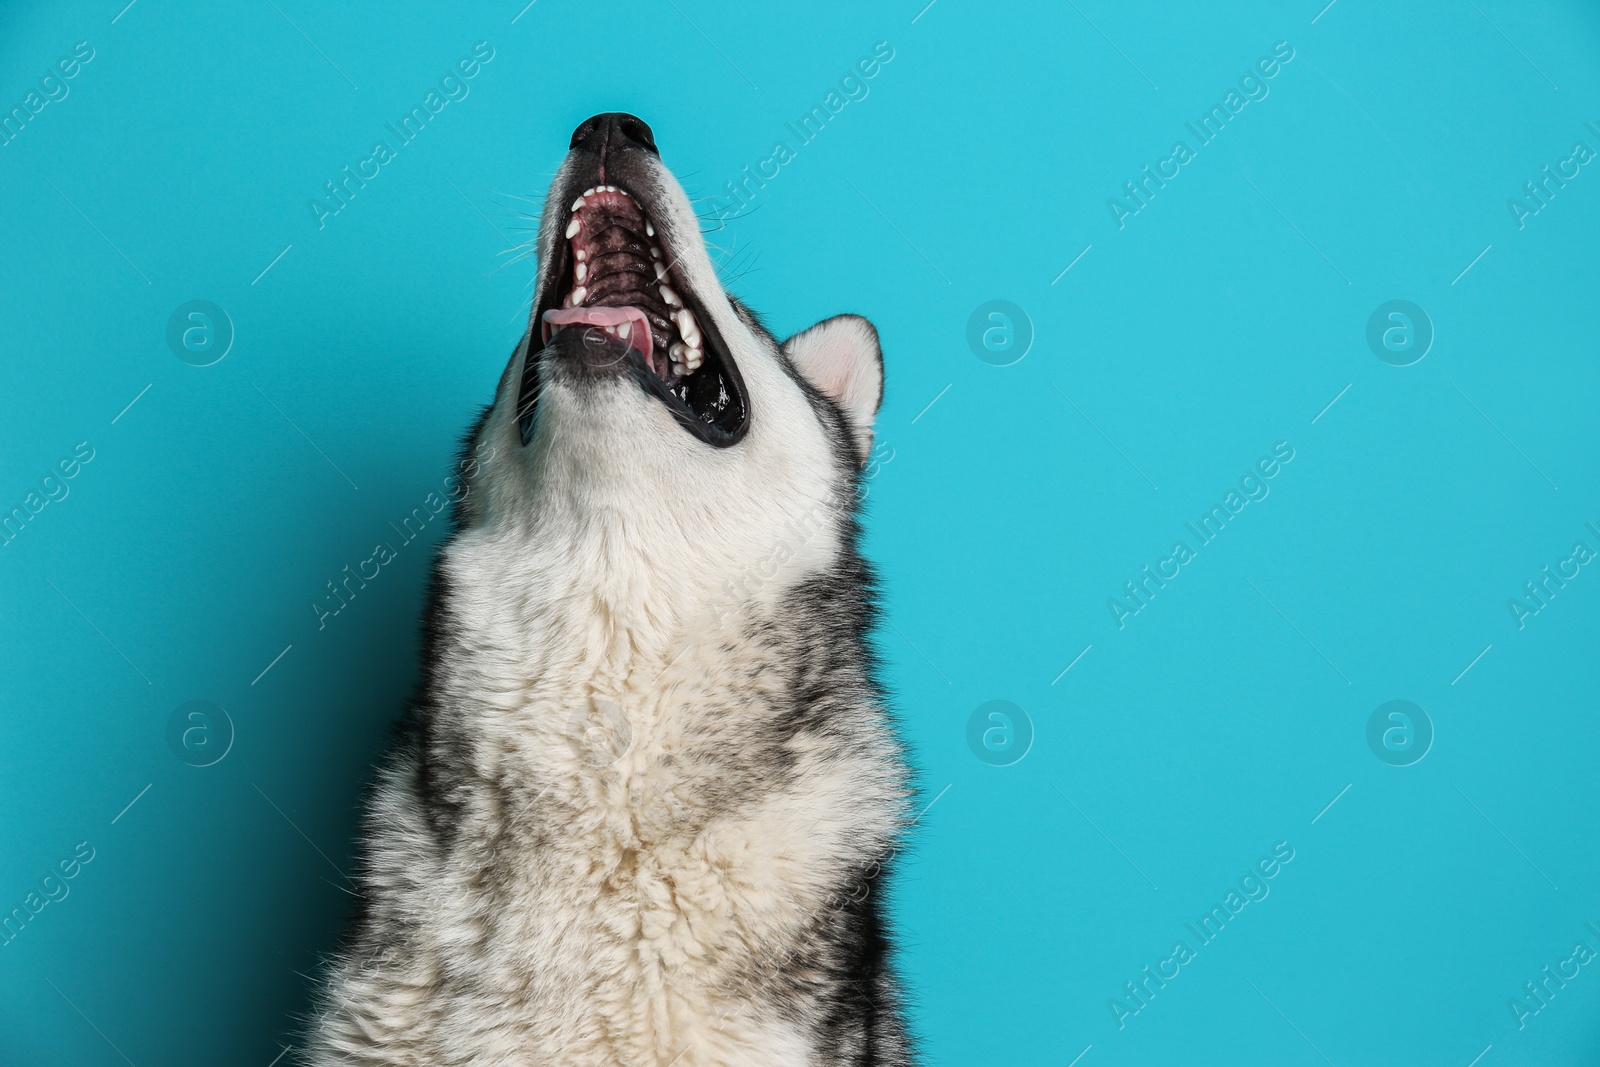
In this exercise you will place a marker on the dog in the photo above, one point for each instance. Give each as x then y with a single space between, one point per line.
644 806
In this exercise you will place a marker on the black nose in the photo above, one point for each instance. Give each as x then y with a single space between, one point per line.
614 128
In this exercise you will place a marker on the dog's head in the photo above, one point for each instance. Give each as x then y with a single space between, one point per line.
647 402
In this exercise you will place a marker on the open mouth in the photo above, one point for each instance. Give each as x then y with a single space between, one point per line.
616 286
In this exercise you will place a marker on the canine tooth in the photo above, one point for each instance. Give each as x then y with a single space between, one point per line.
582 271
670 296
649 228
572 229
577 205
688 328
579 293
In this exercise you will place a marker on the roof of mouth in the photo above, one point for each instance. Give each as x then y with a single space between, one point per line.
614 245
617 263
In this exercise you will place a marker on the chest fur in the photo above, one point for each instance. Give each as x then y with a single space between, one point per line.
657 814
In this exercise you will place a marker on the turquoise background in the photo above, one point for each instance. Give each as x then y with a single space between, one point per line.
1224 317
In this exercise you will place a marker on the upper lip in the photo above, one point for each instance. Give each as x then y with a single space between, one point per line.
630 269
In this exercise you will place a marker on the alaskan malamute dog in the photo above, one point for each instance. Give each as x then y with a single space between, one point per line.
642 810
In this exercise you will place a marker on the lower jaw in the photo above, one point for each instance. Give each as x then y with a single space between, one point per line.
575 361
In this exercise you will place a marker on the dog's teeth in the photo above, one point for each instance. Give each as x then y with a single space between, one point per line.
581 272
688 327
577 205
590 191
680 370
582 255
687 356
655 253
579 293
670 296
649 228
566 301
661 271
624 329
572 228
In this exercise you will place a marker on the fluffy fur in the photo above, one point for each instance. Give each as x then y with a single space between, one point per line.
641 811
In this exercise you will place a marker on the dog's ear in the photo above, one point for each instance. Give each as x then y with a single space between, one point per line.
841 357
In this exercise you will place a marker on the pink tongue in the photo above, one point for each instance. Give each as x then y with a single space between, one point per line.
607 319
